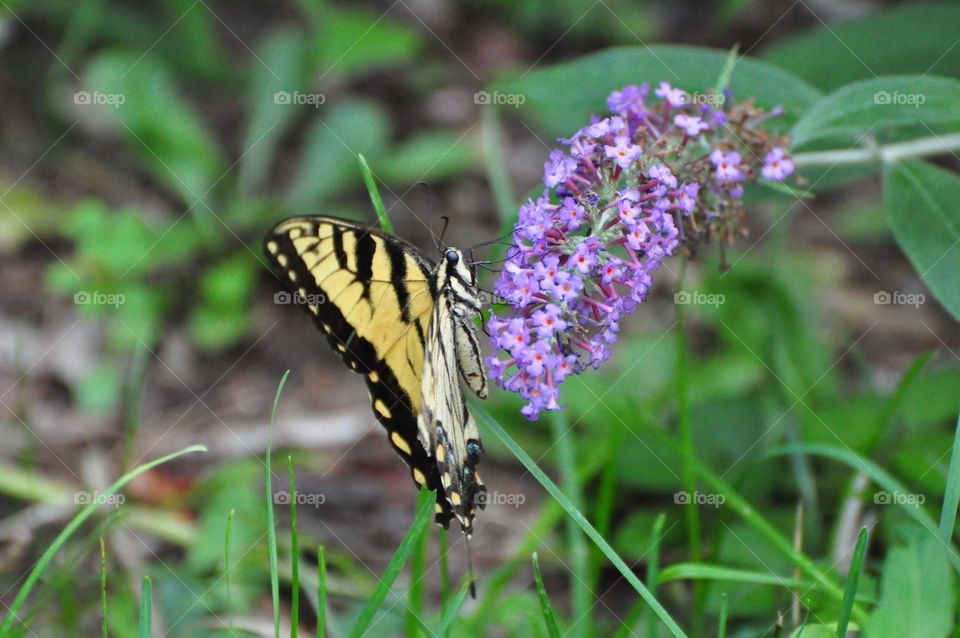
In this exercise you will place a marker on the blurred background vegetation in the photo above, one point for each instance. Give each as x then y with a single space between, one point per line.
147 147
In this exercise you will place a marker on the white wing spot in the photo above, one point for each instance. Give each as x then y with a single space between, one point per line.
272 247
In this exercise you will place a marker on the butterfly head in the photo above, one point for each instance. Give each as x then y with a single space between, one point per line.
457 277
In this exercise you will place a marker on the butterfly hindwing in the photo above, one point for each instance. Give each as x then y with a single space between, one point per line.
373 296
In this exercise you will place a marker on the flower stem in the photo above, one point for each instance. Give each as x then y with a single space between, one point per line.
887 154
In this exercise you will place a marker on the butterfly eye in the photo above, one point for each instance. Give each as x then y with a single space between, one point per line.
453 256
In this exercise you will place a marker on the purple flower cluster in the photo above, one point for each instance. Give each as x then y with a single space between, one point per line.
630 189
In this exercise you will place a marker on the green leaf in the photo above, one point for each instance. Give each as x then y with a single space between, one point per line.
922 203
329 163
160 126
563 96
917 593
277 75
351 41
911 38
883 110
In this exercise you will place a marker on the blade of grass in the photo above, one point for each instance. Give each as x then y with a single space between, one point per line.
40 567
416 593
294 555
103 588
853 578
417 529
951 498
321 592
722 624
448 616
146 607
723 80
604 499
545 608
653 567
571 511
226 567
444 578
579 554
707 571
271 522
371 184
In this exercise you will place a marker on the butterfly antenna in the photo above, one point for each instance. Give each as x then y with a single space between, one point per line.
443 231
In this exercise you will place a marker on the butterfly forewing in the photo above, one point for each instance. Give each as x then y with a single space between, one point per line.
373 295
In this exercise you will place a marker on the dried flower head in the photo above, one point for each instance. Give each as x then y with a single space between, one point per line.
629 190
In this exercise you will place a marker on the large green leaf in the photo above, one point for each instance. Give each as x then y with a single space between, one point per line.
923 206
916 596
562 97
917 38
353 40
885 109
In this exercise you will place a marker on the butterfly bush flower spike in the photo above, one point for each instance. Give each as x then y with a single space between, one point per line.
655 177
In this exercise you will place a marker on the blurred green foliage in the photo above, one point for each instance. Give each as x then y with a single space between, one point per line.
762 365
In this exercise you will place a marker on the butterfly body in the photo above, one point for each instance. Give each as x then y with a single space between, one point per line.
404 323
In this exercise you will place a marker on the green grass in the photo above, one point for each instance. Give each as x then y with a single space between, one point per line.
491 425
271 519
58 543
